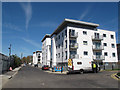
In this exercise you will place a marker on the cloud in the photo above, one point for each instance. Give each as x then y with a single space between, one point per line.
27 7
12 27
85 13
32 42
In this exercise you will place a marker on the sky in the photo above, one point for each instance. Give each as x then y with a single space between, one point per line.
25 24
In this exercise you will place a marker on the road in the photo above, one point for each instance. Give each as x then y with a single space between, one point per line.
31 77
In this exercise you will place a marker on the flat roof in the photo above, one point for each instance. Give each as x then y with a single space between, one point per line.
46 36
74 22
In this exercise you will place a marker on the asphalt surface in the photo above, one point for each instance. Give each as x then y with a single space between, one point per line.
31 77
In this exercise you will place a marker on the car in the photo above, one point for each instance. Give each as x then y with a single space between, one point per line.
45 67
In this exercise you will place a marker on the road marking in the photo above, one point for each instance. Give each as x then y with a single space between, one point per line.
113 76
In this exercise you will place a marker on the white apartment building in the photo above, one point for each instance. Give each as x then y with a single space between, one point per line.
46 50
82 40
37 57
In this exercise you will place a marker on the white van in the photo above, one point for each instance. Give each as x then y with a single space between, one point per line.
80 66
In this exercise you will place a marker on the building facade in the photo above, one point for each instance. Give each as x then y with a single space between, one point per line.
37 57
118 51
46 50
82 40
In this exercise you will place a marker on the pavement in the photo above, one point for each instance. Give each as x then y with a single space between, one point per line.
33 77
4 78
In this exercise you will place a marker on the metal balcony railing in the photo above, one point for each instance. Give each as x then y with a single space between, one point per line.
98 57
74 45
74 34
100 37
74 56
94 47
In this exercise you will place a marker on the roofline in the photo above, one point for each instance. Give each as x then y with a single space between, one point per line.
76 22
46 36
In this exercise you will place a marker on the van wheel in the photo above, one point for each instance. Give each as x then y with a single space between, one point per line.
81 71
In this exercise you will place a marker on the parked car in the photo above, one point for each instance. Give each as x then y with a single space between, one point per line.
45 67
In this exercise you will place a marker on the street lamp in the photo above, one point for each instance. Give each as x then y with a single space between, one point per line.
9 55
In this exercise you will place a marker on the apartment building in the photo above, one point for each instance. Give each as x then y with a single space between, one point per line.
46 50
37 57
82 40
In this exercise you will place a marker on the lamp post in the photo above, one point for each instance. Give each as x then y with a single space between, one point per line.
9 55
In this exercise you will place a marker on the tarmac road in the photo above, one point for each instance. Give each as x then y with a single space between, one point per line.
31 77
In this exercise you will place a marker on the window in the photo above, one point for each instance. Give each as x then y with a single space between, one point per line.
112 45
105 44
62 54
85 53
59 36
65 54
59 45
112 36
38 59
58 55
66 43
66 33
56 47
84 42
38 56
104 35
105 54
113 54
62 35
85 32
79 63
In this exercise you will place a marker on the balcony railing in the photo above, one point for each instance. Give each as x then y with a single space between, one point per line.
98 57
74 35
74 56
74 45
100 37
97 47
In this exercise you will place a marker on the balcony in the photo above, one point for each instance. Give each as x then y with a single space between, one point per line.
73 35
98 57
97 38
74 56
73 45
94 47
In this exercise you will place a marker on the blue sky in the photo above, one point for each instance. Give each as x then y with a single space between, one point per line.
25 24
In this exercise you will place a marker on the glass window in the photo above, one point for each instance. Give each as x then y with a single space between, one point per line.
84 42
105 54
85 53
85 32
66 33
112 36
38 59
62 35
65 54
104 35
66 43
38 56
79 63
113 54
